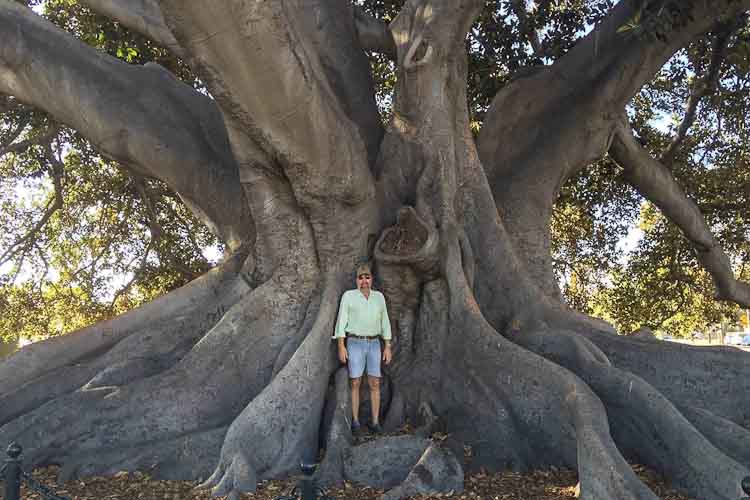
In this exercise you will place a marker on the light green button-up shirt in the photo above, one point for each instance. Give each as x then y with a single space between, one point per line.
363 317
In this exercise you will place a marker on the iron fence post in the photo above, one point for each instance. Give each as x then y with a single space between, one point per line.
13 472
307 488
308 485
745 484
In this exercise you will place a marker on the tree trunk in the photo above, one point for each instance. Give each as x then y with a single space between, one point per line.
228 376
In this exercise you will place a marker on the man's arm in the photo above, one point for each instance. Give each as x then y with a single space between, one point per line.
385 329
342 320
340 332
343 354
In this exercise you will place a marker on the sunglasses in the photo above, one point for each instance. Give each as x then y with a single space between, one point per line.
364 277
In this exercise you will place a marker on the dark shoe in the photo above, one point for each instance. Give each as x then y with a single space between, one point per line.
357 430
375 428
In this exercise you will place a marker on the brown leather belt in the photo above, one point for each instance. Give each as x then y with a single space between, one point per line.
362 337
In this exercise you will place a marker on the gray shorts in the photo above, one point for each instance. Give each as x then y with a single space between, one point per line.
363 354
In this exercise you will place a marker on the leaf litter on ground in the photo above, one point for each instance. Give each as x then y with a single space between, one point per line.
552 484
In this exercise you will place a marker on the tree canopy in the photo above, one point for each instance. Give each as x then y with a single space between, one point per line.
85 238
74 250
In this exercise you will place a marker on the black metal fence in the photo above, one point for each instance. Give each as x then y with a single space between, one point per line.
13 475
307 488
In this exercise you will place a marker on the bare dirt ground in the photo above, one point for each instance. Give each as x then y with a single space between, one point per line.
555 484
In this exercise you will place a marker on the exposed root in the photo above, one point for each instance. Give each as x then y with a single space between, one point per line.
37 392
100 419
648 424
139 355
182 458
437 471
384 462
281 424
732 439
694 377
716 378
156 348
238 476
39 358
339 437
566 411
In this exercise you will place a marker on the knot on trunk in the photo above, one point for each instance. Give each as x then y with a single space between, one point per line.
407 256
411 241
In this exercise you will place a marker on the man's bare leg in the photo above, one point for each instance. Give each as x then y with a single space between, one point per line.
374 383
356 382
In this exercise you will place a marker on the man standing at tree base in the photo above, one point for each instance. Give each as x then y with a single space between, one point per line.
362 322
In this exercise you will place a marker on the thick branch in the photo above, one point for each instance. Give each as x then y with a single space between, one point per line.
373 34
139 116
527 156
597 78
701 88
306 99
619 63
334 36
657 184
285 77
141 16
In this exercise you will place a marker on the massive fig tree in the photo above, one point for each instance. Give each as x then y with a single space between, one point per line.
288 163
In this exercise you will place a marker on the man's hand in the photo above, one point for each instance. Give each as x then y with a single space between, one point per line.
387 355
343 355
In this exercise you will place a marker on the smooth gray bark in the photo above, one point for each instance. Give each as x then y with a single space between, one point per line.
141 16
484 348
